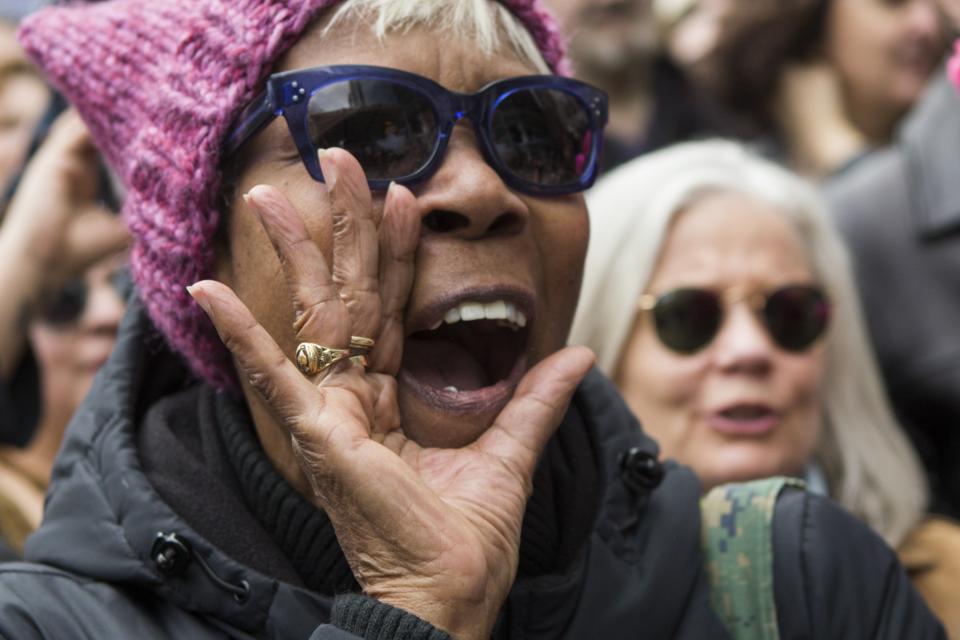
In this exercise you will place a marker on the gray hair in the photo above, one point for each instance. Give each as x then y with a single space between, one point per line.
486 22
871 468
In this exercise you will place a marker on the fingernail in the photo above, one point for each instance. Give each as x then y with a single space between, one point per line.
197 294
327 167
246 197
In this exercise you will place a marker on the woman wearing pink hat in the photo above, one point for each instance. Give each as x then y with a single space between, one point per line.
361 421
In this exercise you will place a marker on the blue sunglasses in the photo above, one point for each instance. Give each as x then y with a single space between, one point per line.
541 134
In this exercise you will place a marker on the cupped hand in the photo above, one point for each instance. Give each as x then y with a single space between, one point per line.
433 531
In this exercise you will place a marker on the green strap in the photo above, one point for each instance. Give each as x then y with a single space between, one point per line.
738 551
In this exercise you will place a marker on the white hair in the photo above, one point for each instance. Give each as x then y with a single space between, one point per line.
871 468
486 22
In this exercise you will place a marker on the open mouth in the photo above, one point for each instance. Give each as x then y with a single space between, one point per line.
472 356
745 420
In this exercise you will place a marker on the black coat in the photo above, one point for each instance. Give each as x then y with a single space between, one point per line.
94 572
899 211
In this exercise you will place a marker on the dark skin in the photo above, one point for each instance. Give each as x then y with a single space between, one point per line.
427 504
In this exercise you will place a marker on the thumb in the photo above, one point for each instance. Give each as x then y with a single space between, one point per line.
522 429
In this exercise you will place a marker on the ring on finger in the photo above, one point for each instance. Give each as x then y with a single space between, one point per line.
361 345
315 358
360 360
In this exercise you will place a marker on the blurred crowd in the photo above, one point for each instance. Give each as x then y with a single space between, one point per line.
776 241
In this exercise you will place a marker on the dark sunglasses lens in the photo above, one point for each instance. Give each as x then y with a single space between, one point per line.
390 128
687 319
543 136
796 316
66 306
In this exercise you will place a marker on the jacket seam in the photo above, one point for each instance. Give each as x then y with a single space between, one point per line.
804 573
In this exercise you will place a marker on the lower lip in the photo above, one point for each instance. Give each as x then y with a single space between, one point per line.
476 401
753 427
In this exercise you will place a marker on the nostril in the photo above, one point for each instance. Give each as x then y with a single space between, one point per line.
445 221
506 224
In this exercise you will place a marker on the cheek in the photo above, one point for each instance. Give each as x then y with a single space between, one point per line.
562 243
805 376
53 349
254 271
661 387
805 394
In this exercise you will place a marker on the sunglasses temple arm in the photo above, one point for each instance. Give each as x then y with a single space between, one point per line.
254 118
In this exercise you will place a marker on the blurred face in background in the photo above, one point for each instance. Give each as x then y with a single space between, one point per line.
693 35
951 10
885 50
740 407
23 99
76 330
607 36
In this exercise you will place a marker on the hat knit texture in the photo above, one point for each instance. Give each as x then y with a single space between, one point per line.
159 83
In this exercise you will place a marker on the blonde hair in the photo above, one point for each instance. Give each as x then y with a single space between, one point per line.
486 22
871 468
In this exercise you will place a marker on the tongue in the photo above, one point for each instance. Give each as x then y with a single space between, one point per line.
443 363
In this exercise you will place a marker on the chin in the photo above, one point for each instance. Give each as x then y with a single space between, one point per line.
741 464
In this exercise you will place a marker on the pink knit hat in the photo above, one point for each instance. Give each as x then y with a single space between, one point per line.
159 82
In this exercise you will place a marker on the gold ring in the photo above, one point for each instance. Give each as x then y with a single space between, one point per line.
361 345
316 358
360 360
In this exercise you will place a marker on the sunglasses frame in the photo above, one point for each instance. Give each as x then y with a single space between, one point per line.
289 93
756 300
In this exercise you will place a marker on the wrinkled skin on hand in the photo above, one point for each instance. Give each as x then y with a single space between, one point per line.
435 531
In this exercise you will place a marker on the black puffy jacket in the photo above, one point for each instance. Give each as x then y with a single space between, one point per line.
96 570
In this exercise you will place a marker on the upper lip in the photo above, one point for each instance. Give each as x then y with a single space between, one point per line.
429 315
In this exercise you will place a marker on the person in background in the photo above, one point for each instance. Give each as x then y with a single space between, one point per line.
617 45
899 210
690 29
819 82
65 282
738 341
23 98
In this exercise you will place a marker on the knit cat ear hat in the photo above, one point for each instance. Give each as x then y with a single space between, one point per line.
159 83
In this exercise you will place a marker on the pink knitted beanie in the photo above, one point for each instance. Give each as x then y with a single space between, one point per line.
159 82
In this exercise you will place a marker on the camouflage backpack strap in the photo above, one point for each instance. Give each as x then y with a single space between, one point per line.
738 552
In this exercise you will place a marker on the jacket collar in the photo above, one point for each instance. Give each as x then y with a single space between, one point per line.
930 140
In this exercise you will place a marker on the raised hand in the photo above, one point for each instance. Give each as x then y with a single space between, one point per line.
53 229
433 531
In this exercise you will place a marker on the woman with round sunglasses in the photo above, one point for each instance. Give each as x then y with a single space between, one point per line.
738 342
342 406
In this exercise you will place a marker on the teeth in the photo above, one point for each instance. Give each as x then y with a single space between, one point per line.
451 388
507 312
471 311
495 310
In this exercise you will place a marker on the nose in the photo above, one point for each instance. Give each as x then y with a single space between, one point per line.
466 198
743 345
104 310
